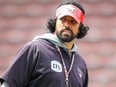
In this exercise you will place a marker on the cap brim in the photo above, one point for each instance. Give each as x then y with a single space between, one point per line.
70 14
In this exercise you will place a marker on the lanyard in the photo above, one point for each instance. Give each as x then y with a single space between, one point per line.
64 66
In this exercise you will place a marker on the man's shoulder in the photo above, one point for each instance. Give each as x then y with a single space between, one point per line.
79 58
39 43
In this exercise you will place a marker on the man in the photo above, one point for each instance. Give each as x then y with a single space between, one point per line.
51 60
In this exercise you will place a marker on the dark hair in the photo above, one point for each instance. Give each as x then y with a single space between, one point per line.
51 24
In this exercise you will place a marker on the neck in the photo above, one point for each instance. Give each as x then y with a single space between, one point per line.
69 45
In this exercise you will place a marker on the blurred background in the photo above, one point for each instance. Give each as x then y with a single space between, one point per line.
22 20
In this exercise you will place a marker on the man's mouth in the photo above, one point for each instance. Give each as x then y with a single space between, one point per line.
66 31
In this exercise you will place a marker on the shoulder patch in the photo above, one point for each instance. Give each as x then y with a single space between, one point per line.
80 72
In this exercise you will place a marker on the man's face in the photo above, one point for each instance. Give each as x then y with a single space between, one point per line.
66 28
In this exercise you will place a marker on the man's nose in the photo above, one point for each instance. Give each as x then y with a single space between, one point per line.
67 24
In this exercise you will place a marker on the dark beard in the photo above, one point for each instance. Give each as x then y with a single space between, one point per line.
66 37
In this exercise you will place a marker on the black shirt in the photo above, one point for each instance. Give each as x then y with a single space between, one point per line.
38 64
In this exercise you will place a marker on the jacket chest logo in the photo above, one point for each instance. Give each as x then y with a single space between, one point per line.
56 66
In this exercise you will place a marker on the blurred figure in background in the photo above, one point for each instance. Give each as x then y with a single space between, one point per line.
52 60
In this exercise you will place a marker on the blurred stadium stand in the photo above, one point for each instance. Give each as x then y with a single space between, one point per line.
21 20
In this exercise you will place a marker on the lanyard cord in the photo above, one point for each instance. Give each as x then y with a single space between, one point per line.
64 65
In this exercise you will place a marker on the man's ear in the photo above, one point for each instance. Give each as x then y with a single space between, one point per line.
82 31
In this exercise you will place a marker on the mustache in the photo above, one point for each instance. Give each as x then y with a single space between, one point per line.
67 28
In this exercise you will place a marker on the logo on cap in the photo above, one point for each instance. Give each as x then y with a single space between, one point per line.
71 9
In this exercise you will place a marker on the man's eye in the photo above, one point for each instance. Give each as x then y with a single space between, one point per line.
63 19
73 22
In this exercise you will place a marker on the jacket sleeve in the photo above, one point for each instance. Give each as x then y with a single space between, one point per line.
19 73
86 79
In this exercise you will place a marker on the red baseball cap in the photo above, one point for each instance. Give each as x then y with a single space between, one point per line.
70 10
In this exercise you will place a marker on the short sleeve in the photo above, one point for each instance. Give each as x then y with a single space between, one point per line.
19 73
86 79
